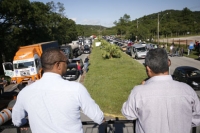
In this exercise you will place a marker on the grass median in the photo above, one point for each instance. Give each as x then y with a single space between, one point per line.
110 81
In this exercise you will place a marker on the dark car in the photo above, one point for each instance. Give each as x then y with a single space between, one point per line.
189 75
86 49
72 72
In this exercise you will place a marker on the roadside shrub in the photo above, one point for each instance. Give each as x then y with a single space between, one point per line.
111 51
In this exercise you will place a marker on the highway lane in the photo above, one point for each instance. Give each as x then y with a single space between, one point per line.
179 61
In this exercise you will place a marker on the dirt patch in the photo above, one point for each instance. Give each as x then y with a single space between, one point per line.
182 41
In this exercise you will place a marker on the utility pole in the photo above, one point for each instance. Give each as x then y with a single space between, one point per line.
158 29
159 26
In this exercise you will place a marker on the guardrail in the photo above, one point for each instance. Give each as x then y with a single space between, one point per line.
103 128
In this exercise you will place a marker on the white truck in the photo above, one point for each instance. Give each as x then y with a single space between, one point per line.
26 63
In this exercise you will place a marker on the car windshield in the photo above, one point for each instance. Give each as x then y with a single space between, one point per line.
24 65
142 49
66 51
74 61
193 73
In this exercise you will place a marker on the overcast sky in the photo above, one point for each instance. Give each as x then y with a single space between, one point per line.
105 12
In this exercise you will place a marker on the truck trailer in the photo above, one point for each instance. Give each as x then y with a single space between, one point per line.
26 63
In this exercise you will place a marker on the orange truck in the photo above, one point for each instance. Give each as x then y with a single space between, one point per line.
26 63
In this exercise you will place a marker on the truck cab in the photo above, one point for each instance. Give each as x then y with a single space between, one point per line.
23 68
26 63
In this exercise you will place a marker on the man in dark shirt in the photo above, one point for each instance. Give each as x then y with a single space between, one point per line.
86 63
20 86
1 86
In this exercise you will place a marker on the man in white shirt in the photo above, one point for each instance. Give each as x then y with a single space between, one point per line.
161 104
53 104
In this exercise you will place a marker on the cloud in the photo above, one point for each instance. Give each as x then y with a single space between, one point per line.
92 22
74 19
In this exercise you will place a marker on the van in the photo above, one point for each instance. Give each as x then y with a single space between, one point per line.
138 51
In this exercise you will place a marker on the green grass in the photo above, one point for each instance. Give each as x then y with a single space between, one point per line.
110 81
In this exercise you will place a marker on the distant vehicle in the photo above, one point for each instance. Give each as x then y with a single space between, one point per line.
130 44
137 51
189 75
86 49
72 71
75 49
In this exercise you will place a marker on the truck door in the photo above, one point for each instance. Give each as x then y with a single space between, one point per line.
8 69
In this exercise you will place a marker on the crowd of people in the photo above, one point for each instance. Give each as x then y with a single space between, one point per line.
176 51
159 105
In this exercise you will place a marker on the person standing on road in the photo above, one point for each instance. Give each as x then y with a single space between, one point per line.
79 67
52 103
161 104
1 86
171 50
86 63
20 86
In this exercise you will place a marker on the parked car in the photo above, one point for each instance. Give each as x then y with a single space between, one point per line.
72 72
189 75
86 49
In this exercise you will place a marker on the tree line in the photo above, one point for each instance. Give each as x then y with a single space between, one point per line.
23 23
172 23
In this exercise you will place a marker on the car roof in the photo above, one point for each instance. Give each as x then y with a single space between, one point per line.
138 45
187 68
77 59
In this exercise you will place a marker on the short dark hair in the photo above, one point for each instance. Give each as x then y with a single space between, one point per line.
157 60
50 56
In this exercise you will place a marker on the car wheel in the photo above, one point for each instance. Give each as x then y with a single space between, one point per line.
136 57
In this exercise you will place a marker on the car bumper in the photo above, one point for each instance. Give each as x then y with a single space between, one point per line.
142 57
70 77
86 52
196 87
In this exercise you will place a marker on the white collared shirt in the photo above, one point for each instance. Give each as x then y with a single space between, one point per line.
53 105
163 105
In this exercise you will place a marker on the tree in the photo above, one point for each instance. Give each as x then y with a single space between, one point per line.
122 24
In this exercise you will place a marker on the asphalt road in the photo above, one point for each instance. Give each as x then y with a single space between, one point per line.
179 61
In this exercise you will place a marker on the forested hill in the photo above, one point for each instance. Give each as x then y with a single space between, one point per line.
88 30
172 23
